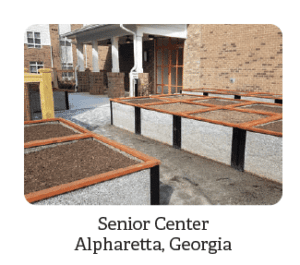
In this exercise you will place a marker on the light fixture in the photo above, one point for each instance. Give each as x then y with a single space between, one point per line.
145 56
151 37
108 42
128 40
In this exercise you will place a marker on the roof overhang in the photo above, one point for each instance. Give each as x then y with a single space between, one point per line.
100 32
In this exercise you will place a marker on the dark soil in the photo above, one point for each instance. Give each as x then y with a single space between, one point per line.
66 163
272 126
268 108
179 107
46 131
230 116
144 101
220 102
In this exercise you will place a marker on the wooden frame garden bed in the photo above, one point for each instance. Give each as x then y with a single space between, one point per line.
233 133
88 169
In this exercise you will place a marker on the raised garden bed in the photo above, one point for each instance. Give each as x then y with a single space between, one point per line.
89 169
180 97
263 97
274 126
69 162
263 107
230 116
216 101
178 107
144 100
42 131
242 138
55 128
245 95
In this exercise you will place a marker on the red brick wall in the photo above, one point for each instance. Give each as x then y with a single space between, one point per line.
44 54
105 60
84 81
251 54
104 57
37 55
97 83
116 85
74 27
54 36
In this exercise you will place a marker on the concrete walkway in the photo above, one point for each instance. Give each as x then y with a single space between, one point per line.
186 179
85 100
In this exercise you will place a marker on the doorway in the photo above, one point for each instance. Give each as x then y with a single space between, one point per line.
169 65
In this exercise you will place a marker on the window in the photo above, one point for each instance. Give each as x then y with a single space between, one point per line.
35 66
33 39
67 66
65 42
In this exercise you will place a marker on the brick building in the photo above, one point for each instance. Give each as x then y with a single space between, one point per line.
234 57
174 57
45 48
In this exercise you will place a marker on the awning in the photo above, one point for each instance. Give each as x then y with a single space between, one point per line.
99 32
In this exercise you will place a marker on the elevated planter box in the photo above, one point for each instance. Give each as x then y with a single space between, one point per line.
234 132
252 96
87 168
264 97
52 130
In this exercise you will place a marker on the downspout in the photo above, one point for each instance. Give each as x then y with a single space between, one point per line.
135 63
86 59
51 50
76 78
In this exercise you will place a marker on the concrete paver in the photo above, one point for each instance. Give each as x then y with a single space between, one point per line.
186 179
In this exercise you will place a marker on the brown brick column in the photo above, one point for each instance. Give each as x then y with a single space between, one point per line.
27 113
97 83
54 36
116 88
144 85
84 81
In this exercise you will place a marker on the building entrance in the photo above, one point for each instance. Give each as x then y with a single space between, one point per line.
169 65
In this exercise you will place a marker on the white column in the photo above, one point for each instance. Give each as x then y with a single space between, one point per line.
115 55
80 59
95 56
138 46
